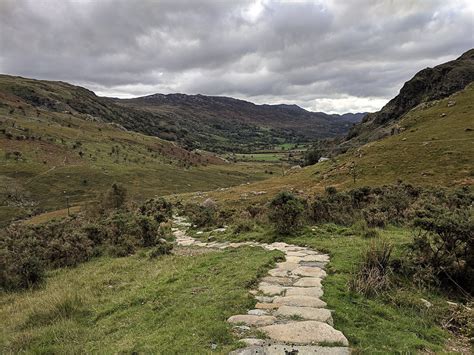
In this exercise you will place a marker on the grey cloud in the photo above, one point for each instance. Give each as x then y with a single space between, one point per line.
313 53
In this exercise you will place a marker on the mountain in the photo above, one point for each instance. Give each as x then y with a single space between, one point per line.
427 85
194 121
219 123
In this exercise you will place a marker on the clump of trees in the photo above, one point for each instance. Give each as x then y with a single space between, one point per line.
114 228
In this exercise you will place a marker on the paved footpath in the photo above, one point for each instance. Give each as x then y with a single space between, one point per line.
289 310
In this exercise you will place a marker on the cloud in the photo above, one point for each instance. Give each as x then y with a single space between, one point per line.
332 56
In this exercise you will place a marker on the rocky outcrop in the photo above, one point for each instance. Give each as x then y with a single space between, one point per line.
427 85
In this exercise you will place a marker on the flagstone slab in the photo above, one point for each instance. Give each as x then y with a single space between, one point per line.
305 332
283 281
252 320
309 313
271 289
299 301
282 349
309 271
304 291
308 282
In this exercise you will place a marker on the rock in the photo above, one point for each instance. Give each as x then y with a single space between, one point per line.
252 320
199 232
304 291
213 346
310 313
442 115
279 273
306 332
318 258
426 303
257 312
293 259
451 103
299 301
308 282
262 305
281 349
283 281
297 253
287 266
264 299
270 289
309 271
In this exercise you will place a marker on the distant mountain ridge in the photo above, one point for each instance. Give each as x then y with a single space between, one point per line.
213 123
427 85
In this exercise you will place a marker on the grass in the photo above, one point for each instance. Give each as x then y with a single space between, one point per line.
171 305
432 150
396 321
78 159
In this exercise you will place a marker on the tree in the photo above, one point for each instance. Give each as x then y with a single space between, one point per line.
312 156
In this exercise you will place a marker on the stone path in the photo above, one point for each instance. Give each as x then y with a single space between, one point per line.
289 310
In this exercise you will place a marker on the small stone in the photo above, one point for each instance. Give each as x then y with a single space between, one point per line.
299 301
283 281
262 305
271 289
252 341
252 320
426 303
264 299
304 291
308 282
257 312
309 271
306 332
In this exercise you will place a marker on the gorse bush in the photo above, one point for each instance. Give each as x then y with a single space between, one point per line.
27 251
202 215
443 251
158 208
286 212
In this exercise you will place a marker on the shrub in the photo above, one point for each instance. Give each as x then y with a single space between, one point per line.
162 248
115 197
158 208
243 225
373 275
444 249
201 215
286 212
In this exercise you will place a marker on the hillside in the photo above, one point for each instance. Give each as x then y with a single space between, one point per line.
220 123
427 85
433 146
51 156
194 121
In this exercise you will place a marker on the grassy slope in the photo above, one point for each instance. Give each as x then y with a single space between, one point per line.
392 323
52 168
432 150
135 304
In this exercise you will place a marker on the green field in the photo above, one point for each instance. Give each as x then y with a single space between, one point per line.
136 305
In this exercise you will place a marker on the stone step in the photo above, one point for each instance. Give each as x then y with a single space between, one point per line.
304 291
299 301
252 320
308 313
282 349
309 271
308 282
271 289
305 332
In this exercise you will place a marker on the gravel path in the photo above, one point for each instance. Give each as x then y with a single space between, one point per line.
289 310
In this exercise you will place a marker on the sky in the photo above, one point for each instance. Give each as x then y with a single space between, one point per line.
334 56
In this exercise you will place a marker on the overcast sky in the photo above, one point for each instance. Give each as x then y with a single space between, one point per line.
332 56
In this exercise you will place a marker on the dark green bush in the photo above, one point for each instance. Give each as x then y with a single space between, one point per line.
286 212
162 248
158 208
362 228
443 251
202 215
